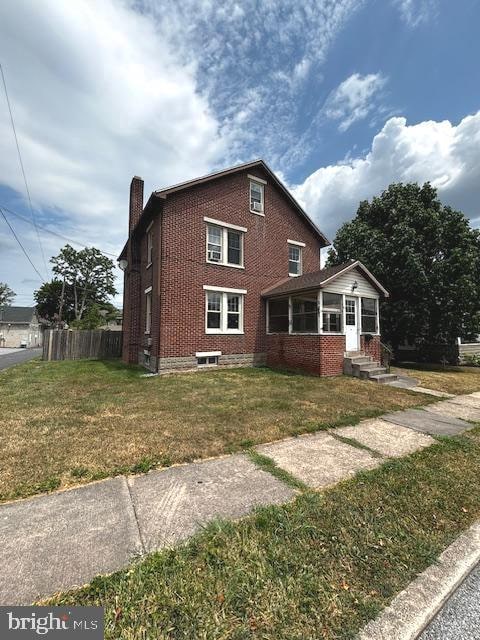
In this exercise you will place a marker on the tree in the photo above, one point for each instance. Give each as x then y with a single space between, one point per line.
426 255
48 299
96 316
89 273
6 294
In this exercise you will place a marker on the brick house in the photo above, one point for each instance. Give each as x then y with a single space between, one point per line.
225 270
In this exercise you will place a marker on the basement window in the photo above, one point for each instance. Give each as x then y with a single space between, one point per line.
207 361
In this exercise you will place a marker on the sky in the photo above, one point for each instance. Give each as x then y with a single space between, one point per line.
339 97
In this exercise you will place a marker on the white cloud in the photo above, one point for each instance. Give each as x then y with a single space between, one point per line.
415 12
97 97
354 99
445 154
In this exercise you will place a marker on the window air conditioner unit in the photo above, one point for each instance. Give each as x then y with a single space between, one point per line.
214 256
257 206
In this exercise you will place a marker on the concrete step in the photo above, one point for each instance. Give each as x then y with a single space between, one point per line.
349 362
383 378
368 374
364 366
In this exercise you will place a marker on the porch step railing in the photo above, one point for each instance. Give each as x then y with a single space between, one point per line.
386 355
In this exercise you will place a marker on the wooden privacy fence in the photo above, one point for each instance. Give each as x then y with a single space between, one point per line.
75 345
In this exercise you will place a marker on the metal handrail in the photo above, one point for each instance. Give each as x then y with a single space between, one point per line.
386 355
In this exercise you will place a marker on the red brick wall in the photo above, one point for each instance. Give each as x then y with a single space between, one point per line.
332 349
371 348
320 355
184 270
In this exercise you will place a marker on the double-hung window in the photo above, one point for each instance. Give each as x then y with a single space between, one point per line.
295 250
369 315
331 312
225 243
149 245
256 197
224 310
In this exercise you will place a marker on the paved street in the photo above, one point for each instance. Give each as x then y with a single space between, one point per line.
459 619
11 357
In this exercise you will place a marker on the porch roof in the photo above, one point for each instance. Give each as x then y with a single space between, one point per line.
319 279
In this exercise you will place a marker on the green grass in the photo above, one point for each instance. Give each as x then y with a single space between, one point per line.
65 423
318 567
455 380
269 465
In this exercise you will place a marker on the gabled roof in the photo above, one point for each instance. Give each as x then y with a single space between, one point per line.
164 193
17 315
319 279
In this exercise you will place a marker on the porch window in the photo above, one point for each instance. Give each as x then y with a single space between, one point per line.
369 315
332 312
304 315
278 316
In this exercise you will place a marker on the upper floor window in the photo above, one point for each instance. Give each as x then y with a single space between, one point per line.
256 197
224 310
295 250
149 245
224 243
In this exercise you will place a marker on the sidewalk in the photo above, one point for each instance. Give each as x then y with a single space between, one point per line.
62 540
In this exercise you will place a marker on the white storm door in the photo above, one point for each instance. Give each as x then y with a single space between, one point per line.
351 324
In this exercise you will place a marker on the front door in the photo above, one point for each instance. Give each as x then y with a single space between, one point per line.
351 324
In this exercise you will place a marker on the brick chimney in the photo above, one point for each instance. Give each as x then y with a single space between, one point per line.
136 202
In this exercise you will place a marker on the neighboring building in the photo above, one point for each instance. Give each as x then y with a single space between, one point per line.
114 324
20 327
225 270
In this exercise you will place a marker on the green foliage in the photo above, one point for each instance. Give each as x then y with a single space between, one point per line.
472 359
6 294
96 316
89 273
427 257
47 299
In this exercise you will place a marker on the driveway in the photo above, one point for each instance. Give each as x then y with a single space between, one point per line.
11 357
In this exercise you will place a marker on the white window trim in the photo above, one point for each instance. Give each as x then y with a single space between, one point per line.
256 179
148 295
148 290
207 354
228 225
224 311
224 227
297 243
296 275
377 318
262 184
147 233
208 287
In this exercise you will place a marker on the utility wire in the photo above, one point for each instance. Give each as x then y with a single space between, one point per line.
21 245
54 233
23 169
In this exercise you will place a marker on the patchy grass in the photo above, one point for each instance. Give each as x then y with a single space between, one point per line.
319 567
456 380
64 423
270 466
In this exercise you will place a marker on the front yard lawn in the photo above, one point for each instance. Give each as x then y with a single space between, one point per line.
319 567
456 380
63 423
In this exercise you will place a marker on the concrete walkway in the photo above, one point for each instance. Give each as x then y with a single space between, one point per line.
62 540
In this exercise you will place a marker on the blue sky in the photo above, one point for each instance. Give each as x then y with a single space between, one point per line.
340 97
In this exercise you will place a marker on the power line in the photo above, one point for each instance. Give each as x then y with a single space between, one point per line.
21 245
54 233
23 169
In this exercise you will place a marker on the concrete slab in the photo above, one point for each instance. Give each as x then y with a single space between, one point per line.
466 401
450 408
172 505
62 540
432 392
319 460
475 394
427 422
389 439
